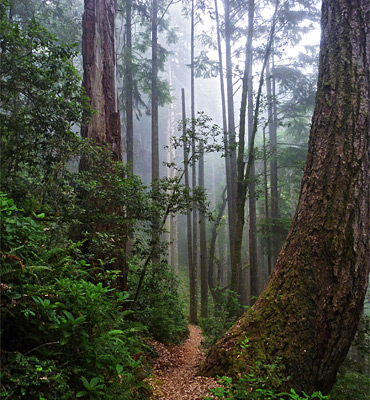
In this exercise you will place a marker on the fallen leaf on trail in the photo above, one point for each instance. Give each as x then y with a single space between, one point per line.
174 373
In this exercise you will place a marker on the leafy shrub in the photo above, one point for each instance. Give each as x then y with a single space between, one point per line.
54 318
28 377
223 314
159 307
261 383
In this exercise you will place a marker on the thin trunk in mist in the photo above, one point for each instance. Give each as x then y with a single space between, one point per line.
236 267
272 124
129 88
192 271
267 232
203 246
194 295
231 193
174 256
255 268
212 249
155 133
224 117
309 310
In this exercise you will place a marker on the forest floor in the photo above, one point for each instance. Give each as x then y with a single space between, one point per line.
175 371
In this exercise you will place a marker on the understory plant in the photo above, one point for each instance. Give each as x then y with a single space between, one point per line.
260 383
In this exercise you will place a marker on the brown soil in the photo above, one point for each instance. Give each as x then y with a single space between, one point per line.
175 371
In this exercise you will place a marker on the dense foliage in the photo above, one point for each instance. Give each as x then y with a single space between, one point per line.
68 329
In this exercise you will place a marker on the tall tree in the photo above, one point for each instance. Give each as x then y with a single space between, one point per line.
224 127
155 132
231 177
272 128
99 80
173 231
203 244
309 310
128 78
192 271
245 171
193 315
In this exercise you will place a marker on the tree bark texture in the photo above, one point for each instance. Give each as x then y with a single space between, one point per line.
310 307
99 80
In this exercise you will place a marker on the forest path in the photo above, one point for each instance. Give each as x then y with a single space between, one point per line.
174 373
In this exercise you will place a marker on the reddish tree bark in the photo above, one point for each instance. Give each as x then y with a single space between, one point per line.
309 310
99 80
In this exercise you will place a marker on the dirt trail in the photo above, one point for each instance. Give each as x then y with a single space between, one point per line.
174 373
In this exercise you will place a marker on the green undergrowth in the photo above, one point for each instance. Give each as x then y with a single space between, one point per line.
262 382
223 311
66 331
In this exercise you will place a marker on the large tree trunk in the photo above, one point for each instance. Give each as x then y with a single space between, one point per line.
309 310
99 80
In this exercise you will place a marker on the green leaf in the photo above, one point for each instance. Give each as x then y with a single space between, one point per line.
94 381
85 382
115 332
119 368
81 393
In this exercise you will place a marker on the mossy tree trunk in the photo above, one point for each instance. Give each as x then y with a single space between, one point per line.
310 307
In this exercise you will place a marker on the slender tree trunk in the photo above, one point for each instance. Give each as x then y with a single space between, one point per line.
192 272
254 266
168 226
231 195
129 88
203 247
155 133
236 267
310 308
224 124
212 248
272 124
174 260
267 213
194 289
